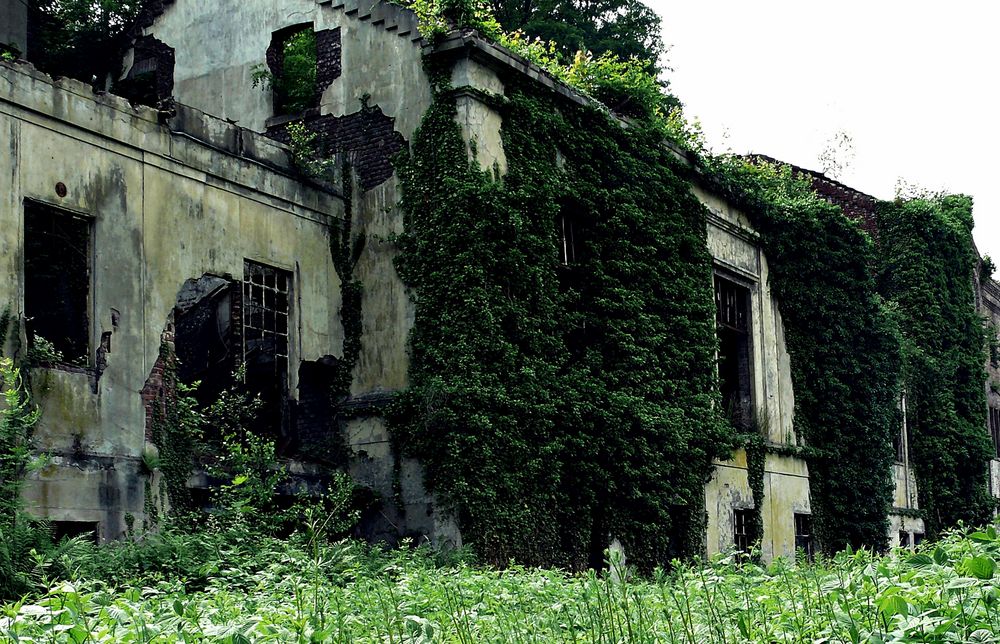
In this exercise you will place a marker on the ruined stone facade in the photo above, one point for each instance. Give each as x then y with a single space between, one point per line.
193 217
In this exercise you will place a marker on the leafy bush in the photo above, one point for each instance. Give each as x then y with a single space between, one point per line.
296 590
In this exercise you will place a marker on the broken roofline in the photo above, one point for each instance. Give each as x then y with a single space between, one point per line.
816 174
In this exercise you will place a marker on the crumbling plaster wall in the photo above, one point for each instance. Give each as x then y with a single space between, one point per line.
736 252
381 66
165 207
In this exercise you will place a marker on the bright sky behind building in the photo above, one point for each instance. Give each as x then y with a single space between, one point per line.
913 84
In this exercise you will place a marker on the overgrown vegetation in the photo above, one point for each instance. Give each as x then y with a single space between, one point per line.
554 406
20 535
306 589
844 348
294 84
927 265
80 38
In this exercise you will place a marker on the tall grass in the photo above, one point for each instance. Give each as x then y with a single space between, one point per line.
305 590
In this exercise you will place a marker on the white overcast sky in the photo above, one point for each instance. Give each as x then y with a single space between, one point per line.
914 84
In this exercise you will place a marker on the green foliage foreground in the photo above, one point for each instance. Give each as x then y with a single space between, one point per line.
207 587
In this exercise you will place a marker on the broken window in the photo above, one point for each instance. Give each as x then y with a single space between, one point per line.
743 536
203 332
57 284
804 535
292 68
265 311
918 538
995 430
904 539
732 303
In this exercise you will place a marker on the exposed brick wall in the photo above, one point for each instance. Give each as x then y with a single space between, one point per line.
314 413
368 138
856 205
328 48
160 389
327 59
151 78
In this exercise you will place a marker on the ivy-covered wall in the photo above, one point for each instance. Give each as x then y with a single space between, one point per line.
926 267
556 406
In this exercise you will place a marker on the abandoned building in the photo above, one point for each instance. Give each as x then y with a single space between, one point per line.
133 234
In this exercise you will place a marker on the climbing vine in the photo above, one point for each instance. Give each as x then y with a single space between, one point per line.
556 406
927 268
175 431
844 349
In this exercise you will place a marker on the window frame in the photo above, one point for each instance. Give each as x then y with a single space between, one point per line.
90 345
290 324
804 540
750 287
743 538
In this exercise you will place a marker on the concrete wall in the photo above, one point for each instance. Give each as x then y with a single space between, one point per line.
164 207
732 242
14 24
380 68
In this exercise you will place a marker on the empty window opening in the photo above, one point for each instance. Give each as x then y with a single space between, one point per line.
569 250
995 430
204 335
732 303
743 536
265 311
904 539
88 530
918 538
804 535
292 64
57 284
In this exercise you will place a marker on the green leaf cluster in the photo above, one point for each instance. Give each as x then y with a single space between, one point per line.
556 406
927 265
843 344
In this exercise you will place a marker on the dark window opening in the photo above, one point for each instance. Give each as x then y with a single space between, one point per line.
569 240
743 537
150 79
804 535
56 285
292 66
995 430
732 303
204 335
70 529
265 311
918 538
904 539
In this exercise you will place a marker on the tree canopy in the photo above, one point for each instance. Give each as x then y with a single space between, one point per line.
626 28
79 38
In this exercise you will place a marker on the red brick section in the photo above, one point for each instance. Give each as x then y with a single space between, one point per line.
161 385
855 204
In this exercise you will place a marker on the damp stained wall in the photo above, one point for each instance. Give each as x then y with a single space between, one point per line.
164 206
374 95
737 255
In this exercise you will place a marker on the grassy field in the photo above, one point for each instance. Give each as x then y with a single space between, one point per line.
223 587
